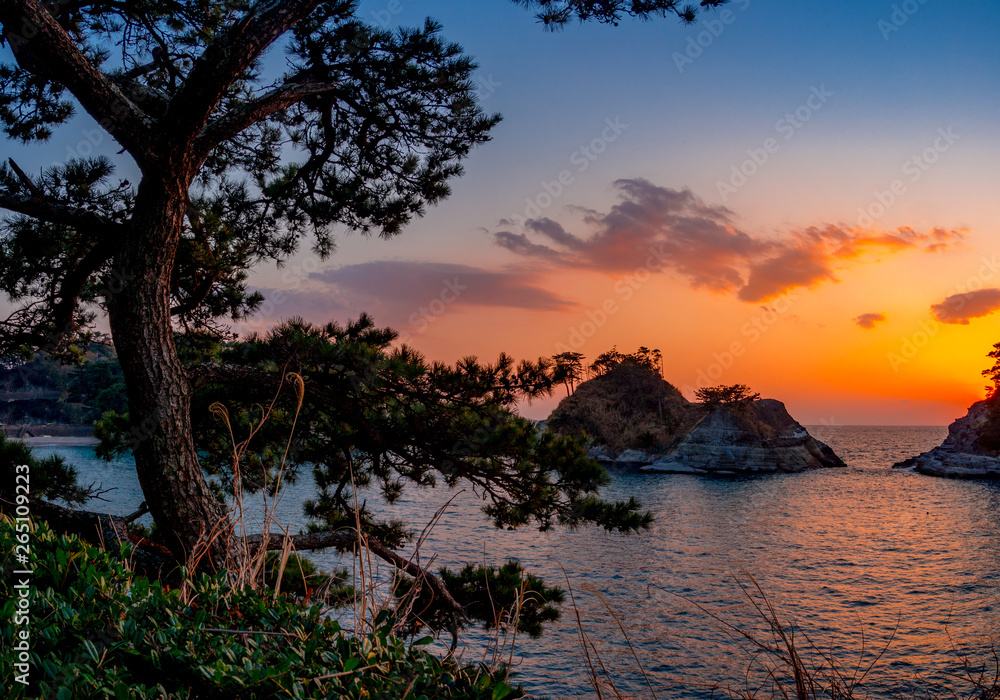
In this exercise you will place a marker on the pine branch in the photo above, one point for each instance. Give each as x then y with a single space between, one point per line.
56 212
226 59
226 127
347 539
51 53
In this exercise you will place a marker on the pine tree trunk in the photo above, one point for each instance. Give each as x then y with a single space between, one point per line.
178 496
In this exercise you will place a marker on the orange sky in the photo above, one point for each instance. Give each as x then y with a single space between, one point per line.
895 137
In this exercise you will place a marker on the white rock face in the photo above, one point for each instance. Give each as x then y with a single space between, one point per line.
762 439
959 456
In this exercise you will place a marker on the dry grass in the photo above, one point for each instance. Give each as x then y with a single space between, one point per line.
374 593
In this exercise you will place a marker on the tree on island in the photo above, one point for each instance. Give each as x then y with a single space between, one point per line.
238 165
726 396
568 369
644 357
625 403
989 433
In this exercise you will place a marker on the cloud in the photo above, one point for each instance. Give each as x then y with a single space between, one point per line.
792 267
869 320
520 243
959 308
399 293
665 229
554 231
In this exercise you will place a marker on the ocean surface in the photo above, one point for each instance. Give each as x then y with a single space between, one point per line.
856 562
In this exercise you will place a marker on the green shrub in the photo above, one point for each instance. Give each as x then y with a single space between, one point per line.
496 596
302 579
51 477
97 631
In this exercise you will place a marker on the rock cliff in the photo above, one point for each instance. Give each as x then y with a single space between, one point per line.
761 437
959 455
636 420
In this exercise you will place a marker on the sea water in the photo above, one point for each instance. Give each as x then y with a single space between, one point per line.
855 562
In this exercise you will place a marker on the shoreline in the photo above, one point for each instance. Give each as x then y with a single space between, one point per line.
57 441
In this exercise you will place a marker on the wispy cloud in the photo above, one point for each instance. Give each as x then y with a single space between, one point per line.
959 308
413 282
702 243
398 292
869 320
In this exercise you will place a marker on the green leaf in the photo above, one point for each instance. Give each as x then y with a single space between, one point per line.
501 691
88 646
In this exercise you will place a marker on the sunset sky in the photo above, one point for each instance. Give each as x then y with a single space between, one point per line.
802 197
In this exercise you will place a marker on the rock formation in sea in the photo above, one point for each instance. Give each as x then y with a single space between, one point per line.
762 437
636 420
960 455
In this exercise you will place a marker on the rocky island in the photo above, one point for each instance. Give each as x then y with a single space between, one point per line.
963 453
637 420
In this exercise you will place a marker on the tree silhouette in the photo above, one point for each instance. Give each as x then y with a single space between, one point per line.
568 369
557 13
729 395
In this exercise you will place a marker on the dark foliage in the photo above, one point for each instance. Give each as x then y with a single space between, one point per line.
726 396
643 357
989 432
49 478
626 406
558 13
499 597
108 633
45 390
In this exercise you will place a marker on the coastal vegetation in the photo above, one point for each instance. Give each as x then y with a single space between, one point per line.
240 161
111 632
45 390
625 404
989 433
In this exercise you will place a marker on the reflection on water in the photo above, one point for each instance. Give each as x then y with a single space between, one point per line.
839 551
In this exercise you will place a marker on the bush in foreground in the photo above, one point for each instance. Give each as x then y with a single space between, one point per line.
98 631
